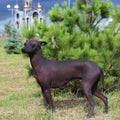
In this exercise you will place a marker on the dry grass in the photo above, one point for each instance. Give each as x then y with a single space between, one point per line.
20 97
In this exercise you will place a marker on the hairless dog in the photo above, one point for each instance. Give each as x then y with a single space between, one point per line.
54 74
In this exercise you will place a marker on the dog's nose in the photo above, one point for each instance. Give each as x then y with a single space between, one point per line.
23 50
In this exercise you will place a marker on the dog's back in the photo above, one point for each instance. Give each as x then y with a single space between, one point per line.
60 72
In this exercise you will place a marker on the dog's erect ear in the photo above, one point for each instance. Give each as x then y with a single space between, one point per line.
42 43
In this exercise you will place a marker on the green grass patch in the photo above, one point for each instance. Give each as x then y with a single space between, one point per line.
21 98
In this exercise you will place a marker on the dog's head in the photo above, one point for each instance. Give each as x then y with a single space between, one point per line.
32 45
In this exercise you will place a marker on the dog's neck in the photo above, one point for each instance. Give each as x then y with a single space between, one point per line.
35 58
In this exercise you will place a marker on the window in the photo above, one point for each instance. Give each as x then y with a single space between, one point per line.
27 21
23 19
17 15
17 24
40 19
35 14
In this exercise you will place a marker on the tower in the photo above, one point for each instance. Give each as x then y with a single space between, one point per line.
28 14
27 4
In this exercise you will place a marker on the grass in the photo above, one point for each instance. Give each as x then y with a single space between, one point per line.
21 99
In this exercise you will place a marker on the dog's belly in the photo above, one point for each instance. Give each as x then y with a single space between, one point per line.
61 80
59 83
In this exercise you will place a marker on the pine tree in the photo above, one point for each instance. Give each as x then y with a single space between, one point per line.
75 33
12 44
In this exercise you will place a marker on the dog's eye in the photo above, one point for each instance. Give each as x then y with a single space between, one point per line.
32 45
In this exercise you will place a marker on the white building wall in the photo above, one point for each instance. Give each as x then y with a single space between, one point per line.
27 15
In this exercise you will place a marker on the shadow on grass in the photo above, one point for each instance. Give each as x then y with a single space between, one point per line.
71 103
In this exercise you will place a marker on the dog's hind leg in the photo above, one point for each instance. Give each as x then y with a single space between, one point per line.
98 94
88 93
103 98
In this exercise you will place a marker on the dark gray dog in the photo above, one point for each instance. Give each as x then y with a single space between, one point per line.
54 74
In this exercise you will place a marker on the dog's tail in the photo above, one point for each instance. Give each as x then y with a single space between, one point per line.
102 77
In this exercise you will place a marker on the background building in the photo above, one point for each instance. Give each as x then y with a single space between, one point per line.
28 13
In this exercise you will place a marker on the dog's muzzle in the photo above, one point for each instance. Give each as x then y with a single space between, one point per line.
23 50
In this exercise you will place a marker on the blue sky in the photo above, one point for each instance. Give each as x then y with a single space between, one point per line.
46 6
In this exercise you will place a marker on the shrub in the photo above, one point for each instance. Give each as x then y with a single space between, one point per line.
13 45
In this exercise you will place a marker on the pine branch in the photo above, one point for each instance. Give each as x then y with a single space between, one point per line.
97 22
53 42
86 2
110 62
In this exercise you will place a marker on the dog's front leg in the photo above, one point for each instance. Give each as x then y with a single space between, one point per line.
48 99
